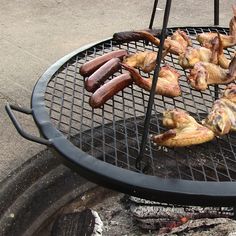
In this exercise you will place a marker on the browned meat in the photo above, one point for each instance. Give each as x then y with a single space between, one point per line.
227 40
167 83
222 118
146 61
214 55
204 74
175 44
184 130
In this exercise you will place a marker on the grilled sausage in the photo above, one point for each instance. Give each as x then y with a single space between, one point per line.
93 82
109 89
128 36
89 67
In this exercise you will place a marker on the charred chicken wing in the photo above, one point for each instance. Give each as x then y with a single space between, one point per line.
184 130
204 74
145 61
167 84
215 55
222 118
175 44
227 40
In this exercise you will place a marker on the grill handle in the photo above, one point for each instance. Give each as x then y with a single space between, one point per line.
9 109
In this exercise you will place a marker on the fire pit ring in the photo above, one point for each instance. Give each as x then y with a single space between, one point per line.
109 138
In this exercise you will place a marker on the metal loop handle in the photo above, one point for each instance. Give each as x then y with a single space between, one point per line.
18 127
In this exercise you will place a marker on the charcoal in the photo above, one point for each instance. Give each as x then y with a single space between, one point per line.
84 223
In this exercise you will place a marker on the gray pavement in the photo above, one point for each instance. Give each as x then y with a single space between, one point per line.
36 33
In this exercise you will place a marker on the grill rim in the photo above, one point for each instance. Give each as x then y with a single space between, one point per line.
175 191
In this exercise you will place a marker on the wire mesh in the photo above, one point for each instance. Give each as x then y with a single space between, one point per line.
113 133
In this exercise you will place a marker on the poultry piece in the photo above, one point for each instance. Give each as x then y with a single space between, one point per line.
193 55
184 130
214 55
204 74
128 36
205 39
175 44
146 61
222 118
227 40
167 83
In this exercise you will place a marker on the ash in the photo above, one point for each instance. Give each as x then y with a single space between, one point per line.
116 217
122 215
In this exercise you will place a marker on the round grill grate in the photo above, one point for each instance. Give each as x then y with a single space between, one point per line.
113 133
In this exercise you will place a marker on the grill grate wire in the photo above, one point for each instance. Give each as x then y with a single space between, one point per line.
113 133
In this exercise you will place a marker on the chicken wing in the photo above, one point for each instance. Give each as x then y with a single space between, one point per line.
204 74
193 55
228 40
214 55
167 84
184 130
222 119
175 44
205 39
146 61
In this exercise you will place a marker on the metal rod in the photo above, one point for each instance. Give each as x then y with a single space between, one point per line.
234 209
216 88
216 12
153 14
216 22
154 83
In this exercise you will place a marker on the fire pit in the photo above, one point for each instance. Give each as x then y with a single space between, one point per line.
103 144
42 192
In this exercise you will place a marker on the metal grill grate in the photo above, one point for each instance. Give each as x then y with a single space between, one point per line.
113 133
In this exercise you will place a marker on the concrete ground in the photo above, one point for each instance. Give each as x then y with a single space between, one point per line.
36 33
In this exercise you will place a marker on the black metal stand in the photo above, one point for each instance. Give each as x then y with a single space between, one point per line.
216 23
153 14
216 12
234 209
154 82
157 69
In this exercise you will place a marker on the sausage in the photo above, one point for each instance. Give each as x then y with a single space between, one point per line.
89 67
93 82
109 89
128 36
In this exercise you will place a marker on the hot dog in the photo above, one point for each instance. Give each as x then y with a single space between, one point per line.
93 82
89 67
109 89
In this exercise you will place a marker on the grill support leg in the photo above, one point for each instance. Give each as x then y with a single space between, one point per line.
153 14
156 71
216 88
216 23
216 12
234 217
154 83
